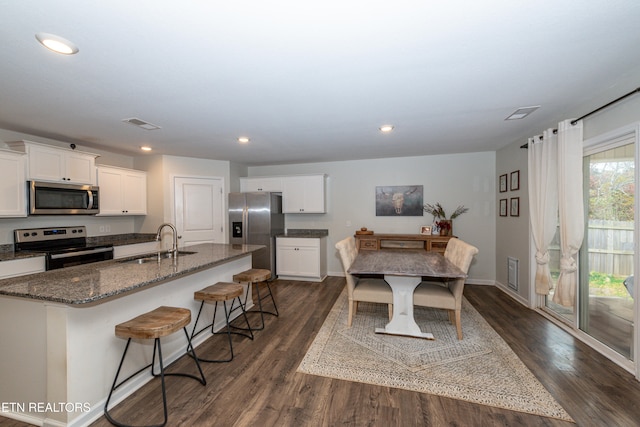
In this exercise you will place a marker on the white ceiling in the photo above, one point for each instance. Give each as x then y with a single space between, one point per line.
311 81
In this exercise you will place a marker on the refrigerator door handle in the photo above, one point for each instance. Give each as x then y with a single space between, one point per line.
245 224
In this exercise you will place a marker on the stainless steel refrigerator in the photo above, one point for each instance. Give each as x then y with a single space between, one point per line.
256 218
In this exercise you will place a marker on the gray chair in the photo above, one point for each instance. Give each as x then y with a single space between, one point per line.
362 289
447 294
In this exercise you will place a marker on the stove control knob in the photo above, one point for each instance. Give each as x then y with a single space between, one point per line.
25 234
35 233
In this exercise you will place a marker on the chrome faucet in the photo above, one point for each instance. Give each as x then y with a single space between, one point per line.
174 249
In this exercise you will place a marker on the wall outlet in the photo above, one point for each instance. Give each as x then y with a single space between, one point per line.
102 228
107 229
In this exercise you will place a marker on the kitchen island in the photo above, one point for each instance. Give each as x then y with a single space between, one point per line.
59 352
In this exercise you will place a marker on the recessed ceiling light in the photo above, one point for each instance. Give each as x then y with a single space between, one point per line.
386 128
522 112
145 148
57 43
243 140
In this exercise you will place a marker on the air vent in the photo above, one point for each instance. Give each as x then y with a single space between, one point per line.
141 124
522 112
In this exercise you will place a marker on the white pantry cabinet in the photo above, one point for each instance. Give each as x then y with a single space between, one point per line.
54 164
266 183
122 191
303 194
301 258
13 188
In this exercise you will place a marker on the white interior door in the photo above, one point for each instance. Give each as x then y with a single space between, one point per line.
199 210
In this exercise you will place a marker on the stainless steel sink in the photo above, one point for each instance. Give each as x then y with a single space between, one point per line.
156 257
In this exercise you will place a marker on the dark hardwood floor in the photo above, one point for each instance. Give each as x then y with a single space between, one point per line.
261 387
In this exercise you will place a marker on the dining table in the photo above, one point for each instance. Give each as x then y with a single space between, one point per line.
403 270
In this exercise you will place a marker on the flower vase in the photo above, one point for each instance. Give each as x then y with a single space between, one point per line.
446 227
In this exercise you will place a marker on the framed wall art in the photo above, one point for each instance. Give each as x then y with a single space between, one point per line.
515 206
503 183
515 181
399 200
503 207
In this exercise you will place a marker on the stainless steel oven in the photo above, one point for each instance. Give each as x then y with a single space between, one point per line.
50 198
62 246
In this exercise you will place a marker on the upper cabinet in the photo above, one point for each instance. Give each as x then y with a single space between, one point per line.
303 194
13 193
122 191
265 183
48 163
300 193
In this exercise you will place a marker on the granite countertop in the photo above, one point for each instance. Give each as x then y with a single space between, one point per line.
89 283
122 239
8 254
305 233
405 262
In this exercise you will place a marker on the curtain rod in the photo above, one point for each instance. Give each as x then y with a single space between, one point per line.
633 92
573 122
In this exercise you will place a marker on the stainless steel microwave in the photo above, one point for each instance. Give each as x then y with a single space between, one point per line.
50 198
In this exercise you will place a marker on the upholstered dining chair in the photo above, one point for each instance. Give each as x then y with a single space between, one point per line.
362 289
447 295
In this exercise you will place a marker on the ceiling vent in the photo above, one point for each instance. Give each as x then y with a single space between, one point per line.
522 112
141 124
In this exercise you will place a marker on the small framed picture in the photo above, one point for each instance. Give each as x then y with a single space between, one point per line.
515 181
425 229
515 206
503 183
503 207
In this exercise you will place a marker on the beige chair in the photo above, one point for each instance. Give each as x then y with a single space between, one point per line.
448 294
362 289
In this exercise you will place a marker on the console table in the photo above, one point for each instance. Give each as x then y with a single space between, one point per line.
428 242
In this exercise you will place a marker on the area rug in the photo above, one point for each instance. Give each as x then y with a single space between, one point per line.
481 368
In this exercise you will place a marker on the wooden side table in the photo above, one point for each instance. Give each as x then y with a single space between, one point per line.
428 242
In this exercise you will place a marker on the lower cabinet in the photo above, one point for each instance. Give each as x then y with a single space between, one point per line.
21 267
301 258
125 251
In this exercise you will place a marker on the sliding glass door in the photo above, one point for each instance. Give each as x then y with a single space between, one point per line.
605 308
607 258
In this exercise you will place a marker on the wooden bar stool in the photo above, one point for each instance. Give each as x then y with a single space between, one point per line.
255 276
155 324
221 292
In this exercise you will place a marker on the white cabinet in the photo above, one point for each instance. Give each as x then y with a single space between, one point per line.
261 184
301 258
13 189
300 193
125 251
48 163
303 194
21 267
122 191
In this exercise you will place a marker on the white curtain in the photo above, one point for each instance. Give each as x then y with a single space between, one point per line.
543 202
570 209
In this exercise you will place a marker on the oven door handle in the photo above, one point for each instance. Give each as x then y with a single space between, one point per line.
78 253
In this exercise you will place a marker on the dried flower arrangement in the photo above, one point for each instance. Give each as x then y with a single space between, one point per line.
438 212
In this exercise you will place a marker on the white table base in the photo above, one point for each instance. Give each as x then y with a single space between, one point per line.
402 321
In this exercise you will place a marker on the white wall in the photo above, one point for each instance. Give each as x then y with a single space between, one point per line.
512 233
452 180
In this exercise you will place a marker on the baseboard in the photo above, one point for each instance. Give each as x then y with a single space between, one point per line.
507 290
